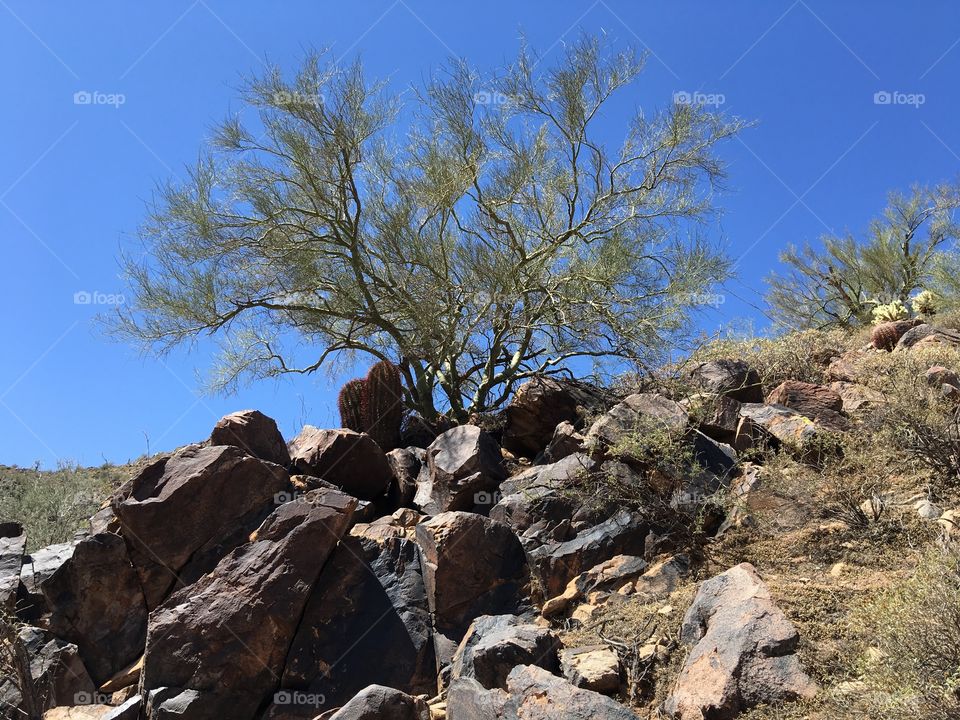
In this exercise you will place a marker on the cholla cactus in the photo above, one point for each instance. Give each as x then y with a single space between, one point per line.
925 303
351 405
891 312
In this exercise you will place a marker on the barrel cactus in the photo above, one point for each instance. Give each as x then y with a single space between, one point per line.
382 408
351 404
886 335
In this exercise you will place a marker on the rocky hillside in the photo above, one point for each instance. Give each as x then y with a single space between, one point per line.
765 532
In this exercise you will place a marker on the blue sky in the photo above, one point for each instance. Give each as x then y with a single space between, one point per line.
74 176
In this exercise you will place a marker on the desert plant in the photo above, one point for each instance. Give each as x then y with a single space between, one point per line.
482 243
840 284
916 629
350 403
886 335
889 312
382 406
925 303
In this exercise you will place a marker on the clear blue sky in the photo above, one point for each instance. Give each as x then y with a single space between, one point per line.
74 177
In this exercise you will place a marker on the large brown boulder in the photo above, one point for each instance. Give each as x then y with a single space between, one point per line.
727 376
472 566
350 460
254 432
224 639
638 413
464 469
13 541
366 621
495 644
96 602
816 402
541 404
743 651
190 500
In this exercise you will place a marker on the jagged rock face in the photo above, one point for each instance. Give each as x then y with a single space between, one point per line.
472 566
556 564
13 541
743 651
253 432
352 461
405 466
225 638
377 702
180 504
96 602
50 672
367 621
495 644
541 404
733 378
813 401
609 575
795 431
463 471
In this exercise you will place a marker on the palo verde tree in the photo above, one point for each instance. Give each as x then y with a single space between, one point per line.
477 234
909 248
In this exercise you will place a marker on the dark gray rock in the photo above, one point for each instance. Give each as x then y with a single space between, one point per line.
464 469
352 461
535 694
13 541
377 702
37 567
495 644
730 377
50 672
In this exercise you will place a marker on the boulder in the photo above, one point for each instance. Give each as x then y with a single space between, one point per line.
495 644
640 412
128 710
377 702
469 700
405 465
565 441
787 427
729 377
254 432
751 498
662 578
719 418
352 461
96 602
855 396
925 334
366 621
607 576
78 712
472 566
464 470
37 567
13 541
535 694
594 667
816 402
192 499
400 524
224 639
556 564
50 672
743 651
541 404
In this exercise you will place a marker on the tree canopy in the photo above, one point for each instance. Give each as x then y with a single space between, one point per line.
476 231
909 248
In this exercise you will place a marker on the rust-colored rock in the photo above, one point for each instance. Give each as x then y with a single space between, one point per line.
253 432
350 460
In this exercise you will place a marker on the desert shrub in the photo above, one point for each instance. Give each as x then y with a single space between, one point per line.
53 505
916 418
794 356
916 630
